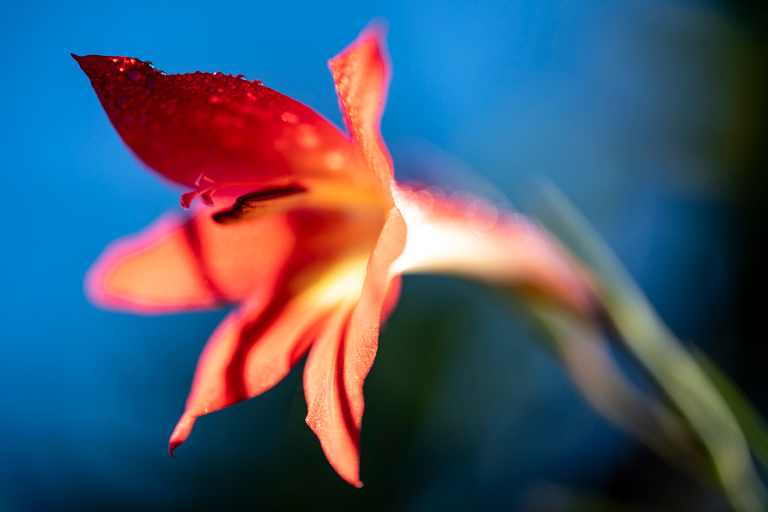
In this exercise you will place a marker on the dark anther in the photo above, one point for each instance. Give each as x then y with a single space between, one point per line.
258 203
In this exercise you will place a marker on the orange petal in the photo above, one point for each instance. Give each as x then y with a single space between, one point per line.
343 354
179 264
251 351
362 73
257 345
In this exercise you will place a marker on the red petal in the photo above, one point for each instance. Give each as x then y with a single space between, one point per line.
251 351
343 354
362 73
203 129
177 264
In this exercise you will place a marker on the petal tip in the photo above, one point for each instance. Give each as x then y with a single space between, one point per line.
375 31
96 277
172 445
91 64
97 286
377 28
180 433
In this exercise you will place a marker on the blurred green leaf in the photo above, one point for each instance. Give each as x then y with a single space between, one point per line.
584 352
751 421
666 360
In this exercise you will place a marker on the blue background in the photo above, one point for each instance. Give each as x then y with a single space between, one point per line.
648 114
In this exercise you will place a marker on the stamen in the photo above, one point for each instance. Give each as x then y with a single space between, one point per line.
261 202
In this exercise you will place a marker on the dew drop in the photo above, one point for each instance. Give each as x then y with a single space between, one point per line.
241 77
334 161
149 63
484 216
425 200
463 200
257 82
307 137
437 193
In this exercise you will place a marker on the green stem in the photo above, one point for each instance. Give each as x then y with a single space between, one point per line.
665 359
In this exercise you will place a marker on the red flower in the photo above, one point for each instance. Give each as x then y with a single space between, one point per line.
309 233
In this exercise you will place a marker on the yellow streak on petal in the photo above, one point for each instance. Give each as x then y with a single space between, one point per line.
341 283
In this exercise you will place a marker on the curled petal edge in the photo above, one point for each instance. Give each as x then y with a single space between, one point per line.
342 356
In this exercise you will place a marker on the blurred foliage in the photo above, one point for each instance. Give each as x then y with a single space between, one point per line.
681 380
750 420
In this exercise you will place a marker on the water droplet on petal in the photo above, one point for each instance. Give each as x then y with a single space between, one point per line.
257 82
334 161
307 137
437 193
425 200
484 216
464 201
149 63
241 77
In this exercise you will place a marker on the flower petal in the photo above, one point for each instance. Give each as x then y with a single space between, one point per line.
180 264
344 352
204 129
251 351
468 236
362 74
258 344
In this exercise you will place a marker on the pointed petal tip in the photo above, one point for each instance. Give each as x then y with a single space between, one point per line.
94 65
172 445
180 433
375 31
358 484
377 28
